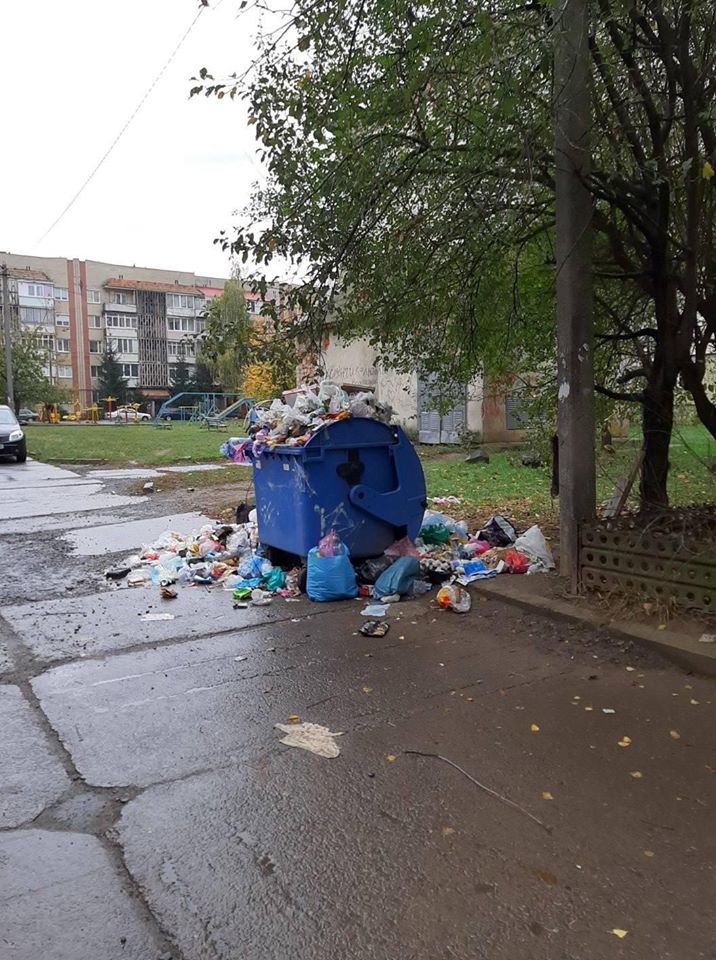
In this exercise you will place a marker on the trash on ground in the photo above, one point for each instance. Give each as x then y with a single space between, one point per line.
375 628
168 593
453 597
312 737
707 638
154 617
374 610
330 573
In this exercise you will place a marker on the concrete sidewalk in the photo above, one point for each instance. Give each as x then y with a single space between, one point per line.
148 809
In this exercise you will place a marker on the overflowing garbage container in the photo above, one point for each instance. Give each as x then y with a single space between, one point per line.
357 476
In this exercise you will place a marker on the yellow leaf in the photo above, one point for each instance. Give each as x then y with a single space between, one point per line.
618 932
448 831
624 742
707 171
635 774
534 728
662 626
648 853
294 718
546 795
367 689
390 757
674 734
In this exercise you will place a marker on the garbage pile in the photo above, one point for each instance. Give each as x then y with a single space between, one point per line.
293 425
444 555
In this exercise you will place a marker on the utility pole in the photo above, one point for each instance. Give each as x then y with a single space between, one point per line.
575 377
9 387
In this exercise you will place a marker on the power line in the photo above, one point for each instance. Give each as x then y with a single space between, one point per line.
119 136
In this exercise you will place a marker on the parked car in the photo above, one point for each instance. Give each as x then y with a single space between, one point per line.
26 415
127 413
12 438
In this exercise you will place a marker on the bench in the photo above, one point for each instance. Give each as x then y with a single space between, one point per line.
215 423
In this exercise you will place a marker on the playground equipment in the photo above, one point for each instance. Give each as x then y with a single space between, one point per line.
196 407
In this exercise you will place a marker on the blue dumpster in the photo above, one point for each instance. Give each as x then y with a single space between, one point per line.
359 477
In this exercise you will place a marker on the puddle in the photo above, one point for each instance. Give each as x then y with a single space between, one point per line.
192 467
130 535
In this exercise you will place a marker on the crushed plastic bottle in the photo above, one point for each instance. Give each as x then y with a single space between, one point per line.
453 597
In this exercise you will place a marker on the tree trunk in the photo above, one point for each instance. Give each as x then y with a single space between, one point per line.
658 422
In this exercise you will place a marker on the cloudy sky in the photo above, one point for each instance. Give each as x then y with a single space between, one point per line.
71 74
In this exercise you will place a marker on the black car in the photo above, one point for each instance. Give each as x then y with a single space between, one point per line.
12 438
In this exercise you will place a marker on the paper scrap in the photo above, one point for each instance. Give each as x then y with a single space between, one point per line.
153 617
312 737
618 932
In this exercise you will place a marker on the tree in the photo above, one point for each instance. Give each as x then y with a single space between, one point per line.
410 162
181 376
225 344
29 359
111 380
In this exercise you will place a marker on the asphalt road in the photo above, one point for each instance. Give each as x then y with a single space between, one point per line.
148 809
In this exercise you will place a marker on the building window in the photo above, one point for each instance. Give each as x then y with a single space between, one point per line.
61 293
95 371
43 290
64 371
121 320
124 345
179 348
63 345
62 320
95 322
180 300
95 346
118 296
34 315
93 296
130 370
183 324
47 342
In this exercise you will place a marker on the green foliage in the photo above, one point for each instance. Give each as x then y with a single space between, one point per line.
181 376
30 384
111 383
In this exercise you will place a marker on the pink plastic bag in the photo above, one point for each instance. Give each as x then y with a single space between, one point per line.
403 548
330 545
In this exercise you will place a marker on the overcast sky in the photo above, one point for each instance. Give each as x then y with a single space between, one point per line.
71 75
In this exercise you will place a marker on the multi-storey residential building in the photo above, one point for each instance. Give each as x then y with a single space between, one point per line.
151 316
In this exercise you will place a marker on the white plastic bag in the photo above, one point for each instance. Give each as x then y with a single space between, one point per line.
533 544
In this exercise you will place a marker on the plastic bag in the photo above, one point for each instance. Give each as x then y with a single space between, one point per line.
436 534
275 580
370 570
533 544
499 532
330 578
238 543
453 597
330 545
398 579
403 548
250 566
517 562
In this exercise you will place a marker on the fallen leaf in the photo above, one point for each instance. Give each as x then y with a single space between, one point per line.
448 831
390 757
635 774
624 742
401 638
548 877
546 795
687 686
294 718
608 710
662 626
534 728
693 701
576 698
707 171
648 853
367 689
588 709
630 669
674 734
470 699
618 932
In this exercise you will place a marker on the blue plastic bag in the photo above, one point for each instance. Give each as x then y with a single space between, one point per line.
330 578
398 578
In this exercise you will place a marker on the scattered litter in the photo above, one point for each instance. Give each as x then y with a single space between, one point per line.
635 774
448 831
492 793
148 487
240 659
546 795
374 610
624 742
608 710
367 689
390 757
375 628
674 734
117 573
153 617
534 728
167 593
260 598
312 737
293 718
707 638
454 597
618 932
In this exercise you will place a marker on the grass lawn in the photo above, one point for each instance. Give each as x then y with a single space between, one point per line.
118 444
502 484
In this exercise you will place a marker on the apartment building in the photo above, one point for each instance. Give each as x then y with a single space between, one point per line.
151 316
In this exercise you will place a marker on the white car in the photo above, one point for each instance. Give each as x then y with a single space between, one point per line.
127 413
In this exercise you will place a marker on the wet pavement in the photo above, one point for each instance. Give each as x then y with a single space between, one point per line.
148 809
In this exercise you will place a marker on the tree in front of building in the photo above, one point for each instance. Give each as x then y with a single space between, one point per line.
181 378
111 380
30 382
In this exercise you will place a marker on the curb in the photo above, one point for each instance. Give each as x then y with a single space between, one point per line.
676 646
